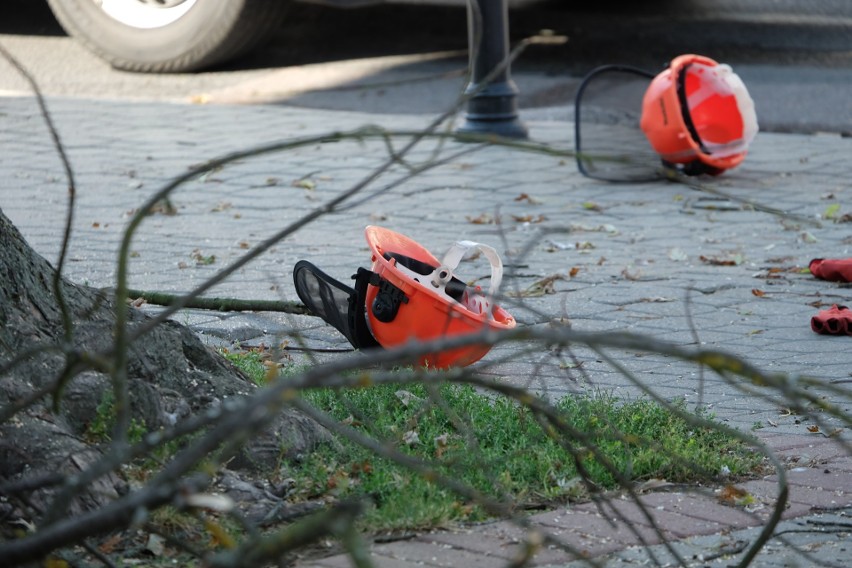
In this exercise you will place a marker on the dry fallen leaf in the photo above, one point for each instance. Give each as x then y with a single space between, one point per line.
758 293
719 261
108 546
484 219
350 421
201 259
219 535
528 198
441 444
733 495
164 207
634 276
583 228
542 287
529 218
304 183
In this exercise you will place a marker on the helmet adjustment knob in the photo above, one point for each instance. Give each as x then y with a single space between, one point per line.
388 300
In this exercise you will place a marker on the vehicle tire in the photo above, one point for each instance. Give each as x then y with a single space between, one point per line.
168 35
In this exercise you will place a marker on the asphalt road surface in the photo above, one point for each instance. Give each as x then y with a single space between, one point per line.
795 56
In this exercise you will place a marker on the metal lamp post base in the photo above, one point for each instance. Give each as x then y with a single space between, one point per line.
493 108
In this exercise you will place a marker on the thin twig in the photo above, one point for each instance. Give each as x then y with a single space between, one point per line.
221 304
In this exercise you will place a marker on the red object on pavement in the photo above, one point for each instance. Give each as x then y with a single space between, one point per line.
836 270
835 321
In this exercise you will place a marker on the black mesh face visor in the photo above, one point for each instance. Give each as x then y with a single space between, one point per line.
609 141
336 303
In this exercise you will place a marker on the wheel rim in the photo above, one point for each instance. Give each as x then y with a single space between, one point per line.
146 14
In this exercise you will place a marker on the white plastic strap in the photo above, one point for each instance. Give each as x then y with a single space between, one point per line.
441 276
473 300
444 273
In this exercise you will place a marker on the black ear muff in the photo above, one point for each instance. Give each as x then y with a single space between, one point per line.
388 299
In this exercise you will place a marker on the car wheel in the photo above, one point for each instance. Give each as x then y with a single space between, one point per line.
168 35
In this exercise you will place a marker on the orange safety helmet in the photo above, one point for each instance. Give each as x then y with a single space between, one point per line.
407 295
419 299
698 113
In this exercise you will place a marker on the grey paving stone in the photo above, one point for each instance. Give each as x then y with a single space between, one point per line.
573 539
840 464
705 508
811 541
606 528
803 499
645 255
817 478
627 512
378 560
434 553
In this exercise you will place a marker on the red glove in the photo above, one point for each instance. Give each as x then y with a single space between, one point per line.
835 321
836 270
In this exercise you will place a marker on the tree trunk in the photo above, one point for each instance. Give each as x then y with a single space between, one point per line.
171 375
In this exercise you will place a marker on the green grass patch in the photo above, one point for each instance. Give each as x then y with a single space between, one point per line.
250 362
499 448
99 428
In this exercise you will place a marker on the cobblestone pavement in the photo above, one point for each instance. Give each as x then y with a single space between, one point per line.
655 258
